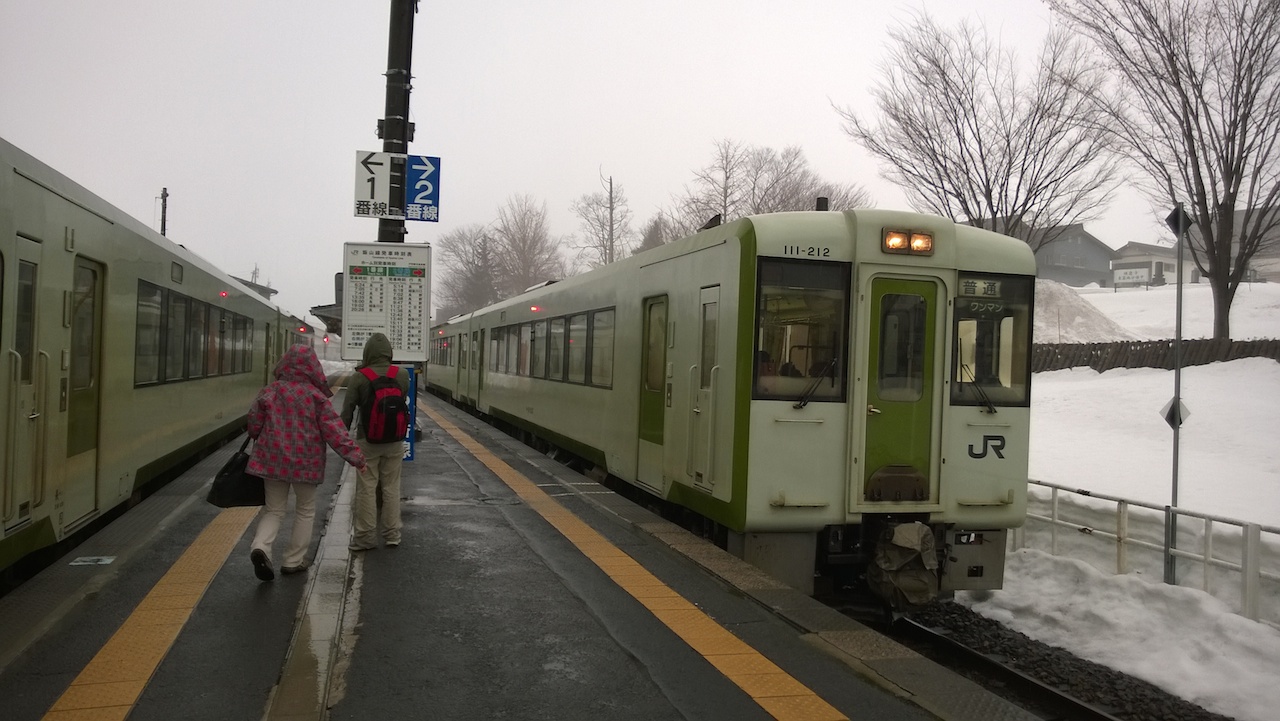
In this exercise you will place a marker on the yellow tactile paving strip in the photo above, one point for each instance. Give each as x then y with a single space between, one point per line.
111 683
783 697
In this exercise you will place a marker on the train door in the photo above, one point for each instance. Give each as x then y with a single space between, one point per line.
901 375
702 415
82 391
655 393
25 375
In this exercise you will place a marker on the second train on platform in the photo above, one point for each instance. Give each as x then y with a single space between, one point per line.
846 393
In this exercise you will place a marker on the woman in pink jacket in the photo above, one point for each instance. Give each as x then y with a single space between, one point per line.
292 419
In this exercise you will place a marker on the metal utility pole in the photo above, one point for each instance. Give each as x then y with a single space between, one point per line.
394 129
164 209
1180 224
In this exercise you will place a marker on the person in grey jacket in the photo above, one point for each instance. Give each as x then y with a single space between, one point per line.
383 459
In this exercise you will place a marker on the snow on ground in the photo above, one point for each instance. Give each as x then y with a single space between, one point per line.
1103 432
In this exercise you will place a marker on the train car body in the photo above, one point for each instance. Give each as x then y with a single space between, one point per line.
121 353
833 389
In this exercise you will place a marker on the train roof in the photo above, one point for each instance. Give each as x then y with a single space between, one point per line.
42 174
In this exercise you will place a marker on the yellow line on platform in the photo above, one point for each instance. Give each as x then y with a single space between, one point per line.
776 691
111 683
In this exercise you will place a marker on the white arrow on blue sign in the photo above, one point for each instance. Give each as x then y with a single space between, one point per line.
422 188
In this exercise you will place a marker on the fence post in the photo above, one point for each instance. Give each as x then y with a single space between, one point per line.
1053 527
1208 553
1251 570
1122 537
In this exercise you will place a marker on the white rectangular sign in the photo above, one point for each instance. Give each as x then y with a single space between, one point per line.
386 288
1132 275
374 185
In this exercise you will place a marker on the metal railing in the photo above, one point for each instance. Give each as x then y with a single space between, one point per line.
1216 547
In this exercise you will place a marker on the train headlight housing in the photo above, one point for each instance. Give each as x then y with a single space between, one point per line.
907 242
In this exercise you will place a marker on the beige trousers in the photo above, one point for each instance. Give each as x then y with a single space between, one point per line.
384 462
304 514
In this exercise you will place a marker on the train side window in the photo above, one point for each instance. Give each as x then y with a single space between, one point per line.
495 348
656 347
602 333
146 358
555 350
248 344
227 343
84 326
175 337
216 324
802 326
526 346
538 351
513 348
902 345
578 348
197 331
25 341
991 357
710 319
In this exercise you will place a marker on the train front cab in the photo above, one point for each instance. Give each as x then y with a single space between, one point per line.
928 424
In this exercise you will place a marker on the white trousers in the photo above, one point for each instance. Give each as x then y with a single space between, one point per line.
304 515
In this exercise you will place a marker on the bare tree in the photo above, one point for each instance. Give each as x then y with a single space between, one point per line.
776 182
467 256
1197 109
527 254
606 224
749 180
967 140
656 232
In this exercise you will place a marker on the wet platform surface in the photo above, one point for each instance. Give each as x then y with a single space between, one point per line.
521 590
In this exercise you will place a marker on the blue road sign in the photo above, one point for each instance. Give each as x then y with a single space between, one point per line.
422 188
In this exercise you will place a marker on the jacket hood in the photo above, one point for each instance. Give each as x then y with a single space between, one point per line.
377 349
301 365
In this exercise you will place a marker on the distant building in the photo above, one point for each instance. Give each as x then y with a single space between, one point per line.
1265 264
1139 264
1075 258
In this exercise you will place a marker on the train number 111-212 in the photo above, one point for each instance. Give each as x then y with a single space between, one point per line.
807 251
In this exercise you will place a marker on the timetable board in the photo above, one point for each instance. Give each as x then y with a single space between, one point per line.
386 289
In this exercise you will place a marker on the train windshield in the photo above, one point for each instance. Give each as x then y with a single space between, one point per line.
802 315
992 353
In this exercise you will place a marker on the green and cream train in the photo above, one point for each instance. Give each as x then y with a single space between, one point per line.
122 355
839 392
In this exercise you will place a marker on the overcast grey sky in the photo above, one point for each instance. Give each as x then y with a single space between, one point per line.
251 111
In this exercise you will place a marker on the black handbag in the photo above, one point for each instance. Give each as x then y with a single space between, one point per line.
234 486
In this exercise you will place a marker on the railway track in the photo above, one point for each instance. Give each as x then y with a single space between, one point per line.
1047 681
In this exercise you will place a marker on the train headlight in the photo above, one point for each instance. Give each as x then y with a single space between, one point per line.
895 241
907 242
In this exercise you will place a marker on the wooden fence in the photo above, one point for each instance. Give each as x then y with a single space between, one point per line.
1147 354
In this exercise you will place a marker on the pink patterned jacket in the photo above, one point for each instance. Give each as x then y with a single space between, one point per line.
292 420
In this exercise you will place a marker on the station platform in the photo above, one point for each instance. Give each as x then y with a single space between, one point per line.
520 590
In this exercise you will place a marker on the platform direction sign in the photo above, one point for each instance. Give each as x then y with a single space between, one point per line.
422 188
378 177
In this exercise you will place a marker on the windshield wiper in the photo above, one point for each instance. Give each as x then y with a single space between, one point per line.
978 388
812 388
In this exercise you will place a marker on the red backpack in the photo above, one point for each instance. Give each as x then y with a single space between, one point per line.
384 416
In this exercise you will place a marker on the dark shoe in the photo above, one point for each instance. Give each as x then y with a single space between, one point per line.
261 565
289 570
357 547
